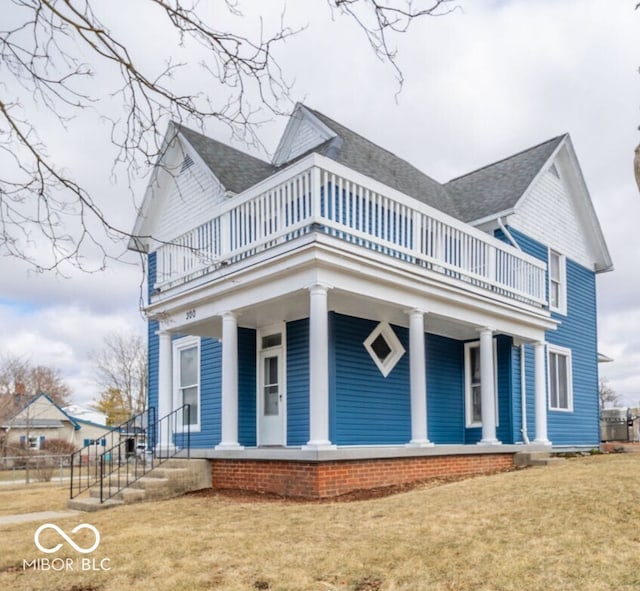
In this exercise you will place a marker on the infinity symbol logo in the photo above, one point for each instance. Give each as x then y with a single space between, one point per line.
77 528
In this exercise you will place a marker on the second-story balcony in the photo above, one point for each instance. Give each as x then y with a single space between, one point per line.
319 195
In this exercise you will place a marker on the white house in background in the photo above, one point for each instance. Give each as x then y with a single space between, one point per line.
41 419
336 319
86 414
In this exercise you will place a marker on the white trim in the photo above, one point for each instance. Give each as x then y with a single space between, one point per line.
300 114
279 328
469 423
561 308
178 346
387 364
567 353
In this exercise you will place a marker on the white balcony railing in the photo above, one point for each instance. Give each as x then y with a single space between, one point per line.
317 194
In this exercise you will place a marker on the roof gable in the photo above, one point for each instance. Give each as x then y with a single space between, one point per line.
496 188
556 209
360 154
304 131
193 168
236 170
42 408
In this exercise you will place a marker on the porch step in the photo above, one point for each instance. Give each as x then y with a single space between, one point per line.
536 458
91 504
172 478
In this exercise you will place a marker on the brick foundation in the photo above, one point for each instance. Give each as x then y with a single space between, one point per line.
318 480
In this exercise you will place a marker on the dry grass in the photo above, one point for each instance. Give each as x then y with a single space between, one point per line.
573 527
29 498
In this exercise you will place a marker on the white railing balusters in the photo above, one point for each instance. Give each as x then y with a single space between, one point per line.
357 210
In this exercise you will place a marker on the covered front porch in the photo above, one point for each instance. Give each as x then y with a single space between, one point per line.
329 361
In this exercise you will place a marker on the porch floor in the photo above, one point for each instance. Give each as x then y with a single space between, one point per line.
369 452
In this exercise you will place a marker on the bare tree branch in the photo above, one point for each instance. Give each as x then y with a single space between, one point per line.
61 57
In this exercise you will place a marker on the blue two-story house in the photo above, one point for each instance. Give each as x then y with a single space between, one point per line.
336 319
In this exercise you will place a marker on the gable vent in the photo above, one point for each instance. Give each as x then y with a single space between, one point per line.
187 163
554 171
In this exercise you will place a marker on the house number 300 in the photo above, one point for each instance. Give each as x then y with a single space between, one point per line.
191 314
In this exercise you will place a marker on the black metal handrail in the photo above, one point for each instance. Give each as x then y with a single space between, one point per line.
139 449
85 463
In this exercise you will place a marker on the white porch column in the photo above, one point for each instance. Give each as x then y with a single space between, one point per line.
229 402
540 385
418 380
165 444
487 388
318 369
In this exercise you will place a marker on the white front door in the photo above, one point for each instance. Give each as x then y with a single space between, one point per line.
271 390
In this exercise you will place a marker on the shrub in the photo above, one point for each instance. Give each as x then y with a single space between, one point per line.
57 447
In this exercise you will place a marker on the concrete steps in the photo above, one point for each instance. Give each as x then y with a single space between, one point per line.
174 477
524 459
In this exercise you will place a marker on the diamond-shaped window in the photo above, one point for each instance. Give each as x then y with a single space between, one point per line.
384 347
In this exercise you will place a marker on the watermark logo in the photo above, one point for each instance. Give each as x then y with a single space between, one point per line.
63 535
43 542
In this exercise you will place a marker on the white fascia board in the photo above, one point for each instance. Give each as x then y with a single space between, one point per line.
187 148
323 260
578 190
139 240
142 234
300 114
541 173
586 211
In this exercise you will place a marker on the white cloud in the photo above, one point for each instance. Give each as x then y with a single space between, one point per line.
480 84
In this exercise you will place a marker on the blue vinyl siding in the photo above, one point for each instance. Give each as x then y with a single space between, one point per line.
152 339
247 387
210 394
504 379
577 331
153 357
367 408
298 382
504 432
445 389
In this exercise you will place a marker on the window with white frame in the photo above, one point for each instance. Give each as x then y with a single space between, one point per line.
186 377
384 347
560 379
472 380
557 282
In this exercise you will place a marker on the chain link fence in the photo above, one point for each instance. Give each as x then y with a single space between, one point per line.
29 469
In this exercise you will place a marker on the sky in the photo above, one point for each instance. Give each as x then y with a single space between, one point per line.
480 84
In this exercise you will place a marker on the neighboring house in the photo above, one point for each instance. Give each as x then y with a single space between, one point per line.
41 419
86 414
336 319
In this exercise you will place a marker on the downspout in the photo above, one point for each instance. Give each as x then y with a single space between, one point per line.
508 234
523 394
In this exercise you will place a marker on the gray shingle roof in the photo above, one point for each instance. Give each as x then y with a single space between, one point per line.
236 170
478 194
358 153
498 186
34 424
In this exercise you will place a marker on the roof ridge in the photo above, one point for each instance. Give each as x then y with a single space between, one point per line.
379 147
516 155
182 127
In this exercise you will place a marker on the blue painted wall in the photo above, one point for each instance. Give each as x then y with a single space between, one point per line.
246 387
578 332
505 392
152 338
366 408
298 382
445 389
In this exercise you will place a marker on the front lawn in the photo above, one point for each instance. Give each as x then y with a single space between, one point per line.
572 527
